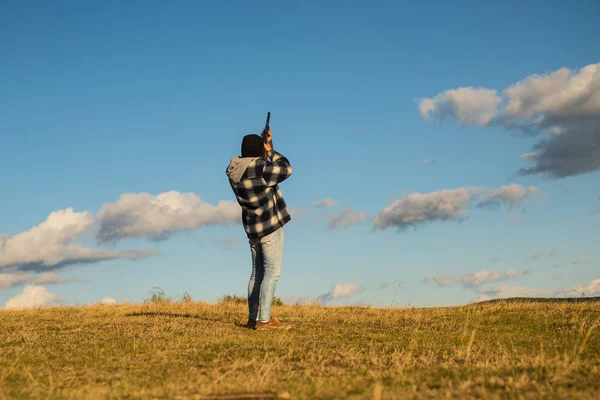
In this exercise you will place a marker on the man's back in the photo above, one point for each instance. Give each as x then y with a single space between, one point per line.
254 181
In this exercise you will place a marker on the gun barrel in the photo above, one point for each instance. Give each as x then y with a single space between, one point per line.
264 133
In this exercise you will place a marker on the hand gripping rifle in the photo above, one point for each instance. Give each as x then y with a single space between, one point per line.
265 133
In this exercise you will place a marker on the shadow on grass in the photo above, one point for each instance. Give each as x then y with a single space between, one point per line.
181 315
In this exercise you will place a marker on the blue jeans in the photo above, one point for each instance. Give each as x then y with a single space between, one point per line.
267 256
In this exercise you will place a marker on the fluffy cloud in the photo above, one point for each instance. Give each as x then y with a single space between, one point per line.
32 296
472 280
577 151
344 290
52 244
447 205
341 290
48 278
107 301
137 215
590 289
468 105
13 278
479 278
512 195
442 280
563 93
325 203
417 208
564 105
346 218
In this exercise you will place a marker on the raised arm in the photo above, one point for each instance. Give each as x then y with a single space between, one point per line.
277 170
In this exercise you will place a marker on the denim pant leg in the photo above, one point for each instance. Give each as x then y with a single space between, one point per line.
256 279
272 257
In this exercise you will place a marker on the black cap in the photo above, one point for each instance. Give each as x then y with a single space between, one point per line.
252 146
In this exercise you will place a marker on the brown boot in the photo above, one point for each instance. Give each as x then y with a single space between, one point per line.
272 324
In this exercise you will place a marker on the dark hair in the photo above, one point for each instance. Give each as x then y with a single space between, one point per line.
252 146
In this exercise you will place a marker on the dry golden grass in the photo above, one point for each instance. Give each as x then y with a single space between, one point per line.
189 350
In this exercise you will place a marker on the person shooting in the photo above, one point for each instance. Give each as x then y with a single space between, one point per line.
254 178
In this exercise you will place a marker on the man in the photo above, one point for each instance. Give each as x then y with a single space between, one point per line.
254 180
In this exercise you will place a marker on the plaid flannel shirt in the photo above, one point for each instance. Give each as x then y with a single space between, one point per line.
263 208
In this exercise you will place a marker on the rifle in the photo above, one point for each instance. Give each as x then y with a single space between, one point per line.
265 132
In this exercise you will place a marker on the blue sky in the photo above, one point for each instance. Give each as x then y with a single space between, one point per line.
104 99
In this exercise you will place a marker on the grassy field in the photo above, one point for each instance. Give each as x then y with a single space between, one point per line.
192 350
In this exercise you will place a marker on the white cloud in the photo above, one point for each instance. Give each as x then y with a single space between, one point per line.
472 280
346 218
49 242
416 208
480 298
530 156
564 104
447 205
13 278
560 93
48 278
442 280
590 289
479 278
341 290
468 105
107 301
506 291
512 195
325 203
53 244
32 296
157 216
